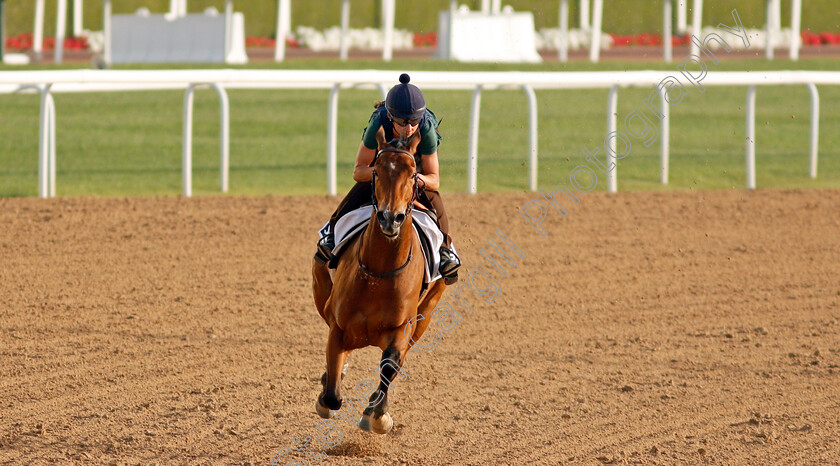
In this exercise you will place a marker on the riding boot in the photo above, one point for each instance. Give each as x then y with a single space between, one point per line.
323 253
449 265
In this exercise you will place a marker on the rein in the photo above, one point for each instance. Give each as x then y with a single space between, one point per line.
390 274
407 212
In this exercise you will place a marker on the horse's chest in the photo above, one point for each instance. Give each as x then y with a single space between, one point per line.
364 322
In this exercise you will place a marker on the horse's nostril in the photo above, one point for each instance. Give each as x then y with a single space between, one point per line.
380 216
399 218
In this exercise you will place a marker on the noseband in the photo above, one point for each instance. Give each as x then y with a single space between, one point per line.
407 212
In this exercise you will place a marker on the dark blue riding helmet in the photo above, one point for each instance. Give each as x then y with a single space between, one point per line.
405 100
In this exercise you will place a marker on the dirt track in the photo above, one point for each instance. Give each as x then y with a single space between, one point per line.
652 328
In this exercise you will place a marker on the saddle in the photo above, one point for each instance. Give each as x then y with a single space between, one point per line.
424 223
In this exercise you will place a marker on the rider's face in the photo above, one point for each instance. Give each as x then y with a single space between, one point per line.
405 130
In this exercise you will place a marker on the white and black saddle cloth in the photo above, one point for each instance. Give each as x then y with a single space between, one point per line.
355 222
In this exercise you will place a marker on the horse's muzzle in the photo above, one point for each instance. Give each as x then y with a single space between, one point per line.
390 222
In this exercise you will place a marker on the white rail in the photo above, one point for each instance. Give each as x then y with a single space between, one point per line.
224 143
48 82
612 127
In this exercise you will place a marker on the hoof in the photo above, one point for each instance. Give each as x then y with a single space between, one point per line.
381 425
322 410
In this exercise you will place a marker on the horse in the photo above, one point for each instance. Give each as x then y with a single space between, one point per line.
376 296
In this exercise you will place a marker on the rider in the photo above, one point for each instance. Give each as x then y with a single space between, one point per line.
403 113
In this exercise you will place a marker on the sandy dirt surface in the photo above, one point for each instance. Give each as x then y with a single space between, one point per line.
645 328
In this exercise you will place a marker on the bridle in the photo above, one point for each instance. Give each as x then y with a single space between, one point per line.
415 191
406 213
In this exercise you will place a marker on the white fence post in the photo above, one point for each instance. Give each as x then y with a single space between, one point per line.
224 138
682 23
332 140
186 149
533 138
38 37
697 28
597 19
106 28
584 15
563 45
665 136
495 6
612 126
51 160
770 14
751 137
815 129
284 12
77 18
795 30
60 31
472 153
228 27
388 7
44 143
345 26
667 42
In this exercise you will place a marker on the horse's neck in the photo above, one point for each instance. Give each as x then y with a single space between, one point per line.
379 253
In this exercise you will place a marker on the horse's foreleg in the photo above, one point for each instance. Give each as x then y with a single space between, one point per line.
321 288
376 417
330 397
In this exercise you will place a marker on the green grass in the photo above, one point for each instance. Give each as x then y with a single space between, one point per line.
116 144
621 16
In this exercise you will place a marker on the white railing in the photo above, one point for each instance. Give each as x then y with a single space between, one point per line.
772 10
48 82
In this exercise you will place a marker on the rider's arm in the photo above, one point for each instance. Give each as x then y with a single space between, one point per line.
363 172
431 172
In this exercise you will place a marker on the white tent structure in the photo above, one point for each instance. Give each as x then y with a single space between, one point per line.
171 28
774 19
492 34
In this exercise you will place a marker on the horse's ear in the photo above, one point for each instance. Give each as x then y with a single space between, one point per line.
380 138
414 141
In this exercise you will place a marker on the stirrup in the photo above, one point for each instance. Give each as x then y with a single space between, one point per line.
449 265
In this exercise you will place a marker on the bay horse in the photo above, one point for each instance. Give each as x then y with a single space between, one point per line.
376 294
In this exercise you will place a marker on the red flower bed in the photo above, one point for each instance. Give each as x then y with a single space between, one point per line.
808 38
425 40
19 42
25 42
830 38
264 41
641 39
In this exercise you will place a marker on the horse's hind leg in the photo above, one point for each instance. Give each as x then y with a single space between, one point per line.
376 417
330 397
